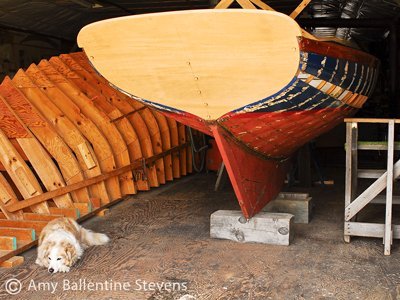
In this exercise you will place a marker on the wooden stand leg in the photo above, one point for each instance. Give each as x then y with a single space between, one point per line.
387 239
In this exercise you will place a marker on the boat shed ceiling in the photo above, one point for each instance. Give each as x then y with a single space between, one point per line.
64 18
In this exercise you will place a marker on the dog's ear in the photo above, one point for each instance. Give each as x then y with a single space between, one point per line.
43 253
70 253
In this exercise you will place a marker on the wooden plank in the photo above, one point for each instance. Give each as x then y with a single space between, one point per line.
224 4
8 243
13 262
246 4
102 121
20 173
166 143
387 239
369 229
63 126
79 64
266 228
26 234
351 166
369 145
262 5
44 166
303 4
155 137
191 86
88 182
36 225
48 137
370 120
173 127
370 193
98 143
183 152
66 212
370 173
84 208
7 196
41 217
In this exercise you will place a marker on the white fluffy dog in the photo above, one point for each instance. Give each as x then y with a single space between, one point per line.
62 242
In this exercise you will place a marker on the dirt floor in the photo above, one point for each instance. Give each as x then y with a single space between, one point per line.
160 249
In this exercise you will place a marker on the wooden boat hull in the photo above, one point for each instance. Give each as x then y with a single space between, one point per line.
293 89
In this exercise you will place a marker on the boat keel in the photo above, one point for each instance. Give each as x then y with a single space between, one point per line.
255 180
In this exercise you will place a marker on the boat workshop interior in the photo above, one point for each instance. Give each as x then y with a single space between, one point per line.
242 149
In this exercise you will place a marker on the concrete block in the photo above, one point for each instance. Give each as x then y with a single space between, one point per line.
265 227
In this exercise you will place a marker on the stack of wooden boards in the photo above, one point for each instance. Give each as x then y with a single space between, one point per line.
71 145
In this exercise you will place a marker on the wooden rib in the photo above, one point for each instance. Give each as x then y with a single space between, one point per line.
118 100
155 136
96 87
173 127
166 143
84 208
102 121
189 159
28 146
90 181
182 152
26 234
12 262
53 143
47 171
99 143
124 127
20 173
7 196
303 4
64 127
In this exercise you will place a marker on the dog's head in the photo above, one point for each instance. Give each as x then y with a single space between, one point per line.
58 257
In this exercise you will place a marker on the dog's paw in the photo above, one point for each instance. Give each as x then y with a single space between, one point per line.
39 262
64 269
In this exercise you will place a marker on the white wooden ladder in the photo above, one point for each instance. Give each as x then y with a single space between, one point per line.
385 179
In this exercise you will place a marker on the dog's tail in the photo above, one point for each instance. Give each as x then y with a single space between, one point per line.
91 238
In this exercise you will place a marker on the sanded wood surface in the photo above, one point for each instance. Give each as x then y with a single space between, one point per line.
186 69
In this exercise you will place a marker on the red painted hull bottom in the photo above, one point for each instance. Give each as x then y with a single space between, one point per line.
255 180
255 147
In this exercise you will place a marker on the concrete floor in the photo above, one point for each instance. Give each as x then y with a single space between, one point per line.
162 237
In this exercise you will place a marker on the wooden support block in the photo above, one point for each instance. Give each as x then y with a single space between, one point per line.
26 234
41 217
37 225
298 204
66 212
266 228
103 212
8 243
84 208
12 262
